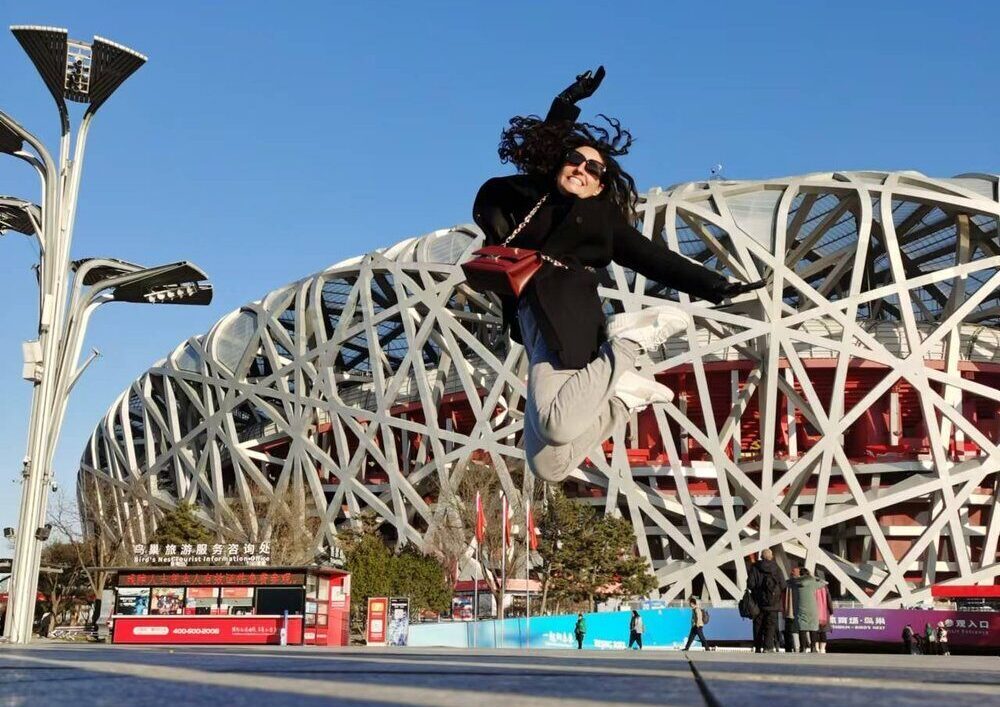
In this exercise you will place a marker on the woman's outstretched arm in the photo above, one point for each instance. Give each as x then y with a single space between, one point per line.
564 106
633 250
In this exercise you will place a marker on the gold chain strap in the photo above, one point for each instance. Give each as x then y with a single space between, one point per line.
520 227
526 220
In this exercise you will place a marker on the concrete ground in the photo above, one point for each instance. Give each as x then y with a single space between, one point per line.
94 674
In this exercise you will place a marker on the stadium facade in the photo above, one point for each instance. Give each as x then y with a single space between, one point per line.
848 415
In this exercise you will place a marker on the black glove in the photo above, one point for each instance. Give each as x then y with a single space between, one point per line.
735 289
584 86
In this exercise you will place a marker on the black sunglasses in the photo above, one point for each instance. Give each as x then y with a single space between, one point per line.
592 167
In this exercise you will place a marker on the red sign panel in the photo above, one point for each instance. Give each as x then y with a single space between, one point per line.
378 612
952 591
205 629
210 579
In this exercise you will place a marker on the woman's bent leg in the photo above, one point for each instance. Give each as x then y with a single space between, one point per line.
562 401
568 412
553 463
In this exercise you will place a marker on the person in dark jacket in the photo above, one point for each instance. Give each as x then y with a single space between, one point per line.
635 630
580 630
766 584
909 640
574 203
930 644
749 608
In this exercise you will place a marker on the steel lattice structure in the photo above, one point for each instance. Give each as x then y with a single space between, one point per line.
848 415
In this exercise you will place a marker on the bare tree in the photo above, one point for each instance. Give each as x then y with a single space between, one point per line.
289 526
91 552
453 538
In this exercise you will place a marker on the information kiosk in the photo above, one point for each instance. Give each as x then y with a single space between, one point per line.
273 605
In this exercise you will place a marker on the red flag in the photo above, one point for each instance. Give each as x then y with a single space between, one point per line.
480 519
530 523
506 521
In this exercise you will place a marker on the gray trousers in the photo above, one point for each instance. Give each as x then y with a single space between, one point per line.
569 411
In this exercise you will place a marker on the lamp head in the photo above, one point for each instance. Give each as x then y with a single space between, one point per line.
14 215
177 283
74 70
10 142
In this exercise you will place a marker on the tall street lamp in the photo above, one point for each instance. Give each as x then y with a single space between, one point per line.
88 73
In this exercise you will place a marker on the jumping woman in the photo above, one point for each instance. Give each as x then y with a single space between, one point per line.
574 203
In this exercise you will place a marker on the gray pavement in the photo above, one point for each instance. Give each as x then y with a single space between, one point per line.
94 674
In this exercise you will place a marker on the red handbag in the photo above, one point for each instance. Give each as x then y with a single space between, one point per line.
504 270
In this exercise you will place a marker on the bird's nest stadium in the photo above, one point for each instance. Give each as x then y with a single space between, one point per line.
848 415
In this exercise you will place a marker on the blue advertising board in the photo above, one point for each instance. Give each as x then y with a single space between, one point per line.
664 628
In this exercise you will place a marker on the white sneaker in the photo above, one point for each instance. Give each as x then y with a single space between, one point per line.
649 327
638 392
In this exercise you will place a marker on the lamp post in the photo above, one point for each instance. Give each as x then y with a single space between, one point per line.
85 73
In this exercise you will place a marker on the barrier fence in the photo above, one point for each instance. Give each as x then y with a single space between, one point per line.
668 628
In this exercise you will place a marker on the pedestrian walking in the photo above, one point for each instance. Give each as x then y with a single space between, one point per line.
699 617
573 204
930 645
635 629
909 640
45 624
942 639
766 586
580 630
805 610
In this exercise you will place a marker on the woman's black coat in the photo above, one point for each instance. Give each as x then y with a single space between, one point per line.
580 233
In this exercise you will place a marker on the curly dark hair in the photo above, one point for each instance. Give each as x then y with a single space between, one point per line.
537 147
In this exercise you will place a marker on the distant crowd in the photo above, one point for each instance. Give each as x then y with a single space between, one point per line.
803 600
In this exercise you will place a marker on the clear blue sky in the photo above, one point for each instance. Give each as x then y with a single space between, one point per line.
266 141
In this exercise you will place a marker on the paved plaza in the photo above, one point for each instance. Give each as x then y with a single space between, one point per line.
80 675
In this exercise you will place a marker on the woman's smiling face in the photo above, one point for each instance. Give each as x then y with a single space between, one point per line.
576 179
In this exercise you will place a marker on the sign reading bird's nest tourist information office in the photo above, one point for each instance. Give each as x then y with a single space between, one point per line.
228 554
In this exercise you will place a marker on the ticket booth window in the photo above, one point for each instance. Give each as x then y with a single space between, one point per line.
236 600
277 600
201 600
